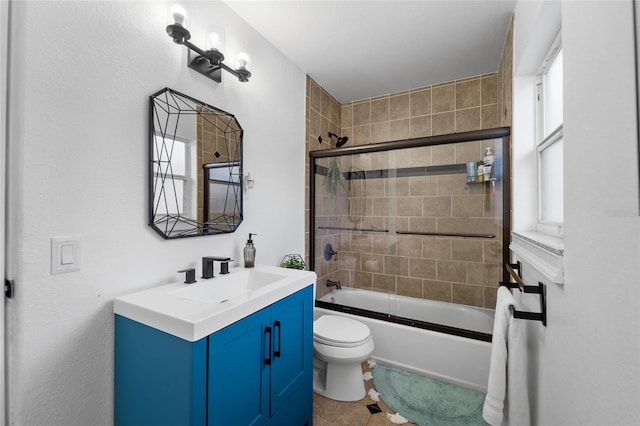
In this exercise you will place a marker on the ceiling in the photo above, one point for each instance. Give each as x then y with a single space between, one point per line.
362 49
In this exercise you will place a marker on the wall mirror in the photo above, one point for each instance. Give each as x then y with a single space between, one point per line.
195 167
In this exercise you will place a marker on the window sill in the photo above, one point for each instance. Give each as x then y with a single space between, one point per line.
543 252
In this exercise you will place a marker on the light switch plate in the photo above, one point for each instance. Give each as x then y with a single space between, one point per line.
65 254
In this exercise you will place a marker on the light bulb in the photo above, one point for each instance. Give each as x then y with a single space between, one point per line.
179 14
214 41
243 60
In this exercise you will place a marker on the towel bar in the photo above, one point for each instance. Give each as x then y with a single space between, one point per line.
535 316
511 267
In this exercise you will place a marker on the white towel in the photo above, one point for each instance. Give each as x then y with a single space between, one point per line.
507 400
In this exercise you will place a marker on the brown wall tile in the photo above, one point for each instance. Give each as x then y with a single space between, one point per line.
399 130
443 123
452 185
384 283
380 110
443 98
362 135
468 93
399 106
420 101
396 265
423 186
467 250
489 116
384 244
362 280
411 287
468 151
467 294
381 132
449 270
467 119
436 248
315 94
409 246
422 268
482 274
436 290
489 89
409 206
436 206
467 206
421 224
383 206
443 154
490 296
372 263
361 113
346 116
420 126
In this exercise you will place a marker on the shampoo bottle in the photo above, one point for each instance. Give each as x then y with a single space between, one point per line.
249 253
488 161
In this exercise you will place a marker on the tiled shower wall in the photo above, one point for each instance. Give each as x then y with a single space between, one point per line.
455 270
451 269
322 116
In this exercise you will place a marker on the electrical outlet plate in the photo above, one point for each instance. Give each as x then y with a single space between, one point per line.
65 254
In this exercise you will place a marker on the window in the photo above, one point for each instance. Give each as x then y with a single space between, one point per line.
172 161
550 142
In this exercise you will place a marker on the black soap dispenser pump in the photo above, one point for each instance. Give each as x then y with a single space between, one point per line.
249 253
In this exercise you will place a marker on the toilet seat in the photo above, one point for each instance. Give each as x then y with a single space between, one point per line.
338 331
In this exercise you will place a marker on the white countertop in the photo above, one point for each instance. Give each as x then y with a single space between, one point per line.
190 311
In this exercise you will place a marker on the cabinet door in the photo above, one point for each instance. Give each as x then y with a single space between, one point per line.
292 320
238 373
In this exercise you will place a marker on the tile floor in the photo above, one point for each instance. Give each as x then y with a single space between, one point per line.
327 412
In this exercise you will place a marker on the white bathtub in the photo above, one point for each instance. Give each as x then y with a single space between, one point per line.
458 360
449 314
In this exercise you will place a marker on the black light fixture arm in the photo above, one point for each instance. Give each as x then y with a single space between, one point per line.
181 35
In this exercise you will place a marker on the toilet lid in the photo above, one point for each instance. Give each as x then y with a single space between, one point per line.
339 331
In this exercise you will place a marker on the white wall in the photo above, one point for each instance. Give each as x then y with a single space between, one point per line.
585 365
81 74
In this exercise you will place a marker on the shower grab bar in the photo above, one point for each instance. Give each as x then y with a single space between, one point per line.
445 234
534 316
341 228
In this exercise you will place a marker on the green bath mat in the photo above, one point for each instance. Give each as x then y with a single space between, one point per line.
428 402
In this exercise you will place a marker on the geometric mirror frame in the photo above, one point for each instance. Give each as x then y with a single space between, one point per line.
195 167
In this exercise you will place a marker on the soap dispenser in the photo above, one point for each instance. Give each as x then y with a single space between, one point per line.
249 253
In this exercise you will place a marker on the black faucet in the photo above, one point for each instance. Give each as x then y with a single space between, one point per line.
190 275
335 284
207 265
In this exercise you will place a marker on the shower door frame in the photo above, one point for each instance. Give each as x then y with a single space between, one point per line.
503 133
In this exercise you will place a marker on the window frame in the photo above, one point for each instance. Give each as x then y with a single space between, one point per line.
545 141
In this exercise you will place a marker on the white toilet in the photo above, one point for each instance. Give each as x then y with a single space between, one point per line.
340 345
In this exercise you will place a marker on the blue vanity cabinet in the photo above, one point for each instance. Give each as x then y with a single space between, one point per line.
256 371
160 379
260 368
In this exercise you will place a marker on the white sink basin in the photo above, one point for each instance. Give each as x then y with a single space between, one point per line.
228 288
193 311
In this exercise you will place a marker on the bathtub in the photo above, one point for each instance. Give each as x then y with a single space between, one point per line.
452 358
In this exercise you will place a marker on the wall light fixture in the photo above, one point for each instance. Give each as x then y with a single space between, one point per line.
206 62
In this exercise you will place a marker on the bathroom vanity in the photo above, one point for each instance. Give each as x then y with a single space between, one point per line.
233 350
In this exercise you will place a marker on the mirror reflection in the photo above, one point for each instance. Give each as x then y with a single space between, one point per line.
195 167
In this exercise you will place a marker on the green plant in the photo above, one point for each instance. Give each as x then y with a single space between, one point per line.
293 261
